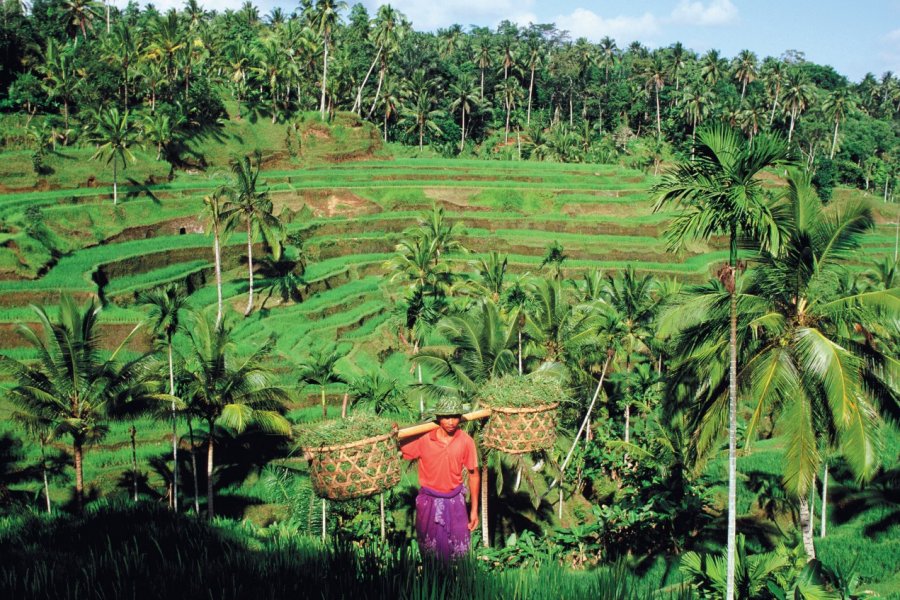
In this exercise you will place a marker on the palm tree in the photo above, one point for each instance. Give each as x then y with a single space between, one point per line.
438 232
421 111
61 76
69 387
493 272
798 94
113 134
697 106
319 369
81 14
159 129
836 106
711 68
773 73
389 29
483 59
655 76
326 18
675 57
559 327
511 92
721 193
533 59
745 70
123 49
631 299
218 226
252 206
465 98
811 352
228 392
166 305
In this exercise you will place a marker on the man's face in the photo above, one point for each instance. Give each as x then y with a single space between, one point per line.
449 424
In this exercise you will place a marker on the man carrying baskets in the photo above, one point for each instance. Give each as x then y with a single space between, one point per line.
442 523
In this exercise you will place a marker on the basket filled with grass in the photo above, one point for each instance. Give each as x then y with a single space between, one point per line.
353 457
523 413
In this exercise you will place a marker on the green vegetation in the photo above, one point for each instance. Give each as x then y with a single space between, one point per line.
289 236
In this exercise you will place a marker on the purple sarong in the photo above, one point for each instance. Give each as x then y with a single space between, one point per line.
442 522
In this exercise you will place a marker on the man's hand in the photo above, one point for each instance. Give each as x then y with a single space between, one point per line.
473 521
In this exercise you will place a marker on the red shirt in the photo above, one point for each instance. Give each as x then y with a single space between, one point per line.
440 464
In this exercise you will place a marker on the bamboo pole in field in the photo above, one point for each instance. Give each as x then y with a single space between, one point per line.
414 430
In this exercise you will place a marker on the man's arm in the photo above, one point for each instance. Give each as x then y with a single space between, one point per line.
474 495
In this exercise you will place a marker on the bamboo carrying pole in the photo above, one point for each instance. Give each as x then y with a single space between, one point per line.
414 430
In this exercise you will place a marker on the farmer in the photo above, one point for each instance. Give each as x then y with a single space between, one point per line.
442 523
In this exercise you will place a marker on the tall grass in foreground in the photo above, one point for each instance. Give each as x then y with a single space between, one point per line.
144 551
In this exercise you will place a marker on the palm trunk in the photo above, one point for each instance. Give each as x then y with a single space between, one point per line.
78 456
658 120
806 528
249 268
824 501
194 467
115 181
627 424
482 84
381 498
462 143
174 433
218 255
732 427
134 469
324 78
485 533
44 475
344 405
377 90
506 138
210 493
791 129
357 104
774 106
530 93
421 135
520 351
834 139
324 406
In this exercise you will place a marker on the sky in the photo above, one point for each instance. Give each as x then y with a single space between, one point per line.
853 36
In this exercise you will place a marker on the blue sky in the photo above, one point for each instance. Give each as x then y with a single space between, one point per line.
854 36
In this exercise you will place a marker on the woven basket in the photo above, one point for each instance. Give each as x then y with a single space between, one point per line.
356 469
520 430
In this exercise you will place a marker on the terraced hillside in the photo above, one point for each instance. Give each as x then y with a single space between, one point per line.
349 217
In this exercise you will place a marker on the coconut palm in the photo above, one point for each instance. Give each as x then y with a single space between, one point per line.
61 77
160 129
483 59
464 96
229 392
440 233
773 75
836 106
511 92
480 347
213 211
559 327
114 134
819 355
248 204
319 369
326 18
389 29
655 78
166 305
632 300
81 14
493 272
422 114
697 106
711 68
534 58
745 69
798 94
721 193
69 387
123 49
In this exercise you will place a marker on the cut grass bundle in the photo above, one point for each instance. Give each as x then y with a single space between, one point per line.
524 413
352 457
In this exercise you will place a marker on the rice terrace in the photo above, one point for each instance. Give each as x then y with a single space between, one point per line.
325 303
